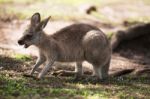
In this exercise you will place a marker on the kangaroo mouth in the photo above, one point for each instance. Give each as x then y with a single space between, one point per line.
26 45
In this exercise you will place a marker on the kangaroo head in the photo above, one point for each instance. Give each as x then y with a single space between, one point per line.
31 35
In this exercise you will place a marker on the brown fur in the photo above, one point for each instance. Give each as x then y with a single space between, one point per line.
74 43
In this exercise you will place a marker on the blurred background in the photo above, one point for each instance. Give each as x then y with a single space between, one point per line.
110 11
109 15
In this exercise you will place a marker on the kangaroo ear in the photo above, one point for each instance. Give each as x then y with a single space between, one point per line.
35 19
44 23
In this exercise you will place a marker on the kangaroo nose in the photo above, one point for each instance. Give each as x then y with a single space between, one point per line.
20 42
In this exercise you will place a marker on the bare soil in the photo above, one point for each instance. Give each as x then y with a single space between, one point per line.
133 54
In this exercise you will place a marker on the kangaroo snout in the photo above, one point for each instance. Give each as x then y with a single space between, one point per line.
20 42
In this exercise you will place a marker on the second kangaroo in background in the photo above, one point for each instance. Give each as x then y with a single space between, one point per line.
74 43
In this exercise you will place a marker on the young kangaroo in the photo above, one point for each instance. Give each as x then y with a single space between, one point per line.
74 43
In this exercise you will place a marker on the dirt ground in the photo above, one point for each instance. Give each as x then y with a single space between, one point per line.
133 54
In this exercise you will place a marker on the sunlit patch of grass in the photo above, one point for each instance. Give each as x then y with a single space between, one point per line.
21 87
144 19
101 17
12 86
109 35
21 57
122 87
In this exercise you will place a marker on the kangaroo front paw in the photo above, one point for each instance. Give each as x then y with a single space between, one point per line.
36 78
39 76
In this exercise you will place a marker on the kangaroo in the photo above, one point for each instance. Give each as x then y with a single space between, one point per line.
75 43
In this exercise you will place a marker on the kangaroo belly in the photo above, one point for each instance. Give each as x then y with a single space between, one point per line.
71 55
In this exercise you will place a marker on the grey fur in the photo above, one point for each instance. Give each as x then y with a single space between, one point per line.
74 43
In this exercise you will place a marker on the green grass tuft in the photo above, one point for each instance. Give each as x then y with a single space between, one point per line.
21 57
109 35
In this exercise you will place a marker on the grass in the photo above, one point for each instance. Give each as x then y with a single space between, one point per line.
14 85
21 57
109 35
114 88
